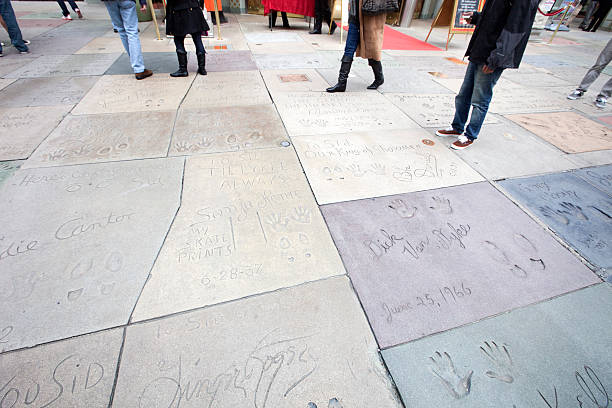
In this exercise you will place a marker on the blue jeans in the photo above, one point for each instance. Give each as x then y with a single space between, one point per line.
477 91
65 11
8 14
125 20
352 40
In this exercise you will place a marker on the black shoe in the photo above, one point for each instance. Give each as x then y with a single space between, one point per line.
379 79
285 20
182 62
318 23
333 27
202 63
273 15
222 17
345 68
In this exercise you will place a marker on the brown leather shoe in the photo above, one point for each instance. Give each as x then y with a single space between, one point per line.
144 74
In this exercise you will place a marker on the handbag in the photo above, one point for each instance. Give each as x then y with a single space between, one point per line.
373 7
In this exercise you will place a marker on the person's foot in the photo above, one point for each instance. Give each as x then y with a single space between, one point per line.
333 27
144 74
1 54
26 42
461 143
79 13
115 30
576 93
448 132
24 52
68 17
600 102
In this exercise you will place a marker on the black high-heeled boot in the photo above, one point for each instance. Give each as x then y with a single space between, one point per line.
318 24
379 79
345 68
182 62
201 63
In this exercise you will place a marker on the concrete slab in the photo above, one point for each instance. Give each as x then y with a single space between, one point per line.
536 79
221 89
399 259
10 64
323 113
158 62
273 37
551 354
7 168
103 45
369 164
72 373
600 177
400 80
65 65
577 211
4 82
569 131
295 61
294 80
97 138
228 129
84 261
536 100
281 48
597 158
429 110
119 93
355 83
248 224
549 61
284 349
24 128
506 150
230 61
53 43
47 91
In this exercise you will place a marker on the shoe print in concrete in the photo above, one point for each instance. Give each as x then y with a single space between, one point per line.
79 259
358 165
221 89
282 349
398 251
553 354
576 210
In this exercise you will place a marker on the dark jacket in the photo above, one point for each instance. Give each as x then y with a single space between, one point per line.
185 17
354 12
502 31
142 2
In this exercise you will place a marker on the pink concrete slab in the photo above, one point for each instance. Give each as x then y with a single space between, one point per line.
35 22
606 119
430 261
569 131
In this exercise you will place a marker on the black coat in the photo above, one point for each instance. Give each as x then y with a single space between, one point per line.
502 31
185 17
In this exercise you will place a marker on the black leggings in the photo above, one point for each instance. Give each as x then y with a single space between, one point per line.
179 42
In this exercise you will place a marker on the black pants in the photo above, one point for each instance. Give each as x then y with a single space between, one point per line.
179 42
65 11
322 10
599 17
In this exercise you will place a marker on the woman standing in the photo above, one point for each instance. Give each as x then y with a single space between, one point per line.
186 17
66 13
365 37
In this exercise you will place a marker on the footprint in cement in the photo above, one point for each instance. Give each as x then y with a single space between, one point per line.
333 403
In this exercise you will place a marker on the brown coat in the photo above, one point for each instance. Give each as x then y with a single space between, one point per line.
371 30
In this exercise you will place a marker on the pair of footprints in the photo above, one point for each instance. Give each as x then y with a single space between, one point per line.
333 403
458 386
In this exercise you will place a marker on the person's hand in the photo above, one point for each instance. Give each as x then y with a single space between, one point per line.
487 70
143 7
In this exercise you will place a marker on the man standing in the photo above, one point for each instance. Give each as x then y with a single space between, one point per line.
125 20
8 15
602 62
323 13
499 41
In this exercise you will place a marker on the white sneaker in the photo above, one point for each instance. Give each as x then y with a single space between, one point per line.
577 93
68 17
600 102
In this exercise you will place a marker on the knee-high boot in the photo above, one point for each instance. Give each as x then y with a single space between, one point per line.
182 62
378 74
201 63
345 68
318 23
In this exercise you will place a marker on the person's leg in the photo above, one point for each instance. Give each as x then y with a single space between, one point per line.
589 13
606 91
352 41
112 6
464 98
130 25
602 61
197 41
8 14
481 98
179 43
62 5
318 23
73 5
181 53
285 19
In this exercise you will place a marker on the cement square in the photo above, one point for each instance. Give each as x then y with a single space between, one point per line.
535 100
507 150
221 89
4 82
73 373
228 129
47 91
295 61
399 250
7 168
308 113
273 37
230 61
596 158
24 128
400 80
158 62
10 64
569 131
284 349
549 61
368 164
98 138
103 45
576 210
53 43
542 355
294 80
119 93
435 110
281 48
65 65
536 79
600 177
78 243
248 224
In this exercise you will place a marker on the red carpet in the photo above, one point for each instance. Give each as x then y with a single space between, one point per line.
394 40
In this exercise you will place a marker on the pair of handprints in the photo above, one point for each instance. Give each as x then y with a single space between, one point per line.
459 385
